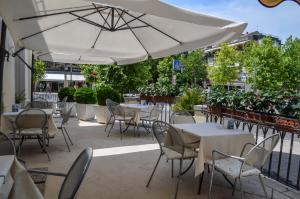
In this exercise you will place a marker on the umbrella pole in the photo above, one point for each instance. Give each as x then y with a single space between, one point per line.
32 81
2 59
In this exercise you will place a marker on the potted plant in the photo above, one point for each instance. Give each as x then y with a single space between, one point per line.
216 99
188 100
20 99
85 98
68 92
103 93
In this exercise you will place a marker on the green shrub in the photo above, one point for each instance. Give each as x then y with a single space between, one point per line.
189 98
68 91
217 96
85 96
106 92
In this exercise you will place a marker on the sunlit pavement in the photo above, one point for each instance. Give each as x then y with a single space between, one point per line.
120 168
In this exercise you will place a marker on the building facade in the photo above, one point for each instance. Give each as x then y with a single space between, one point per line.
59 75
239 43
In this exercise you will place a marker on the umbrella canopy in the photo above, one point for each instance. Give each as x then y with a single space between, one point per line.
107 32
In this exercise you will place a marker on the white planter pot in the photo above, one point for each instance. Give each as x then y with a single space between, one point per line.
73 112
102 114
85 111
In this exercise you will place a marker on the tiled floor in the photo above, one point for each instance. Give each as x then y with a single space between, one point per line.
120 168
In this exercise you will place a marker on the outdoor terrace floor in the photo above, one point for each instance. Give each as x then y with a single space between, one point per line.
124 174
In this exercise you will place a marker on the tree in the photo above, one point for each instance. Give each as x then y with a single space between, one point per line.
194 68
39 71
269 67
225 69
291 64
122 78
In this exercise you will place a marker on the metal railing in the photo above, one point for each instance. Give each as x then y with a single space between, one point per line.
284 162
50 97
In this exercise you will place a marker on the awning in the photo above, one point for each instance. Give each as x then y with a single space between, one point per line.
107 32
61 77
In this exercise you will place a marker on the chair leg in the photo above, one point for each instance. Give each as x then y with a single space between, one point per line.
172 162
178 178
154 170
62 131
200 183
20 146
108 122
111 128
121 132
68 136
242 189
234 186
211 182
263 185
44 146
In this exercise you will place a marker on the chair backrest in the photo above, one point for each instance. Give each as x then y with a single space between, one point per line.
76 174
6 145
39 102
114 108
66 116
258 154
182 117
62 105
167 136
65 99
156 112
31 118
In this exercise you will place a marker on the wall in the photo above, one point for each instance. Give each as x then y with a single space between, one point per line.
17 76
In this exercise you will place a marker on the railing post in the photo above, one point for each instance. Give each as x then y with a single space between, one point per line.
2 58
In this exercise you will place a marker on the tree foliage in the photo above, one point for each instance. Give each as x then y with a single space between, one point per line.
225 70
269 67
122 78
39 70
194 71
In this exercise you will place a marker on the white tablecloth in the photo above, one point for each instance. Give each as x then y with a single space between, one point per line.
18 183
214 137
137 111
8 119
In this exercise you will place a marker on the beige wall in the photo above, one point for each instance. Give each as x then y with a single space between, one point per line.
16 76
8 77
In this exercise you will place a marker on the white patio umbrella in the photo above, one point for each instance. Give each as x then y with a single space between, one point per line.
106 32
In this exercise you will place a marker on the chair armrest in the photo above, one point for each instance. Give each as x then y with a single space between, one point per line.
214 152
244 147
46 173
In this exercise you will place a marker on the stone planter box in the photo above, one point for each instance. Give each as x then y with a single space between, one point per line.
287 124
215 110
102 114
85 111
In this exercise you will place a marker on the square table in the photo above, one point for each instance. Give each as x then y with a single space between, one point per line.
18 183
214 137
137 111
8 119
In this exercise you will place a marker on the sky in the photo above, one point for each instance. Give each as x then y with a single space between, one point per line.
281 21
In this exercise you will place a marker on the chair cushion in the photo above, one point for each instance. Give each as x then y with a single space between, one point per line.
171 154
231 167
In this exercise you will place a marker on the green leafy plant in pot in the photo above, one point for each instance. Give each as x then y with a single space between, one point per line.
188 100
85 98
105 92
67 92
